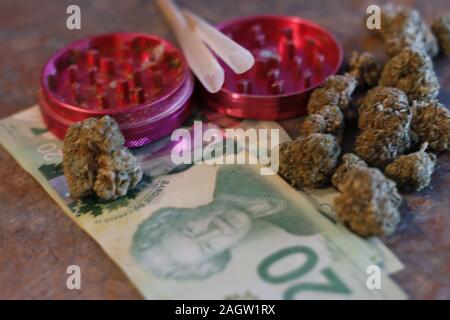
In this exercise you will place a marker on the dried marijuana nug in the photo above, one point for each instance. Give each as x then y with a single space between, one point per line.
412 171
380 147
117 172
314 123
431 123
336 91
349 160
368 203
412 72
404 27
364 67
96 162
309 161
441 29
328 119
384 107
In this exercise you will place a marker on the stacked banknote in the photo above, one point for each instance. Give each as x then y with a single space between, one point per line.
222 231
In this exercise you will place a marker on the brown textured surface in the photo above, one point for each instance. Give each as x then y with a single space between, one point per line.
38 242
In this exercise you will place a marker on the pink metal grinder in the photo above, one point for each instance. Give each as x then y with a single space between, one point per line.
140 80
293 56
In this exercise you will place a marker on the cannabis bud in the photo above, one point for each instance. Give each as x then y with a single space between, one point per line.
349 160
404 27
364 67
328 119
384 107
117 173
441 29
310 160
379 147
412 171
314 123
336 91
384 118
96 162
431 123
412 72
368 203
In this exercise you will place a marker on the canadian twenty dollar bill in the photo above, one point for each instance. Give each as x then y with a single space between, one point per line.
203 231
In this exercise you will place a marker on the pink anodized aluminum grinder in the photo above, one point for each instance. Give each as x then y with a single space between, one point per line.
140 80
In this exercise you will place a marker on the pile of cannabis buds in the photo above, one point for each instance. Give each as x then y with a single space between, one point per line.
401 125
95 161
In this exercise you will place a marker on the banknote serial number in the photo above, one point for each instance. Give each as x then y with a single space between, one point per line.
227 309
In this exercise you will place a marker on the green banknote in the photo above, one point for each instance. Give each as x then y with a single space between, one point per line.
208 231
